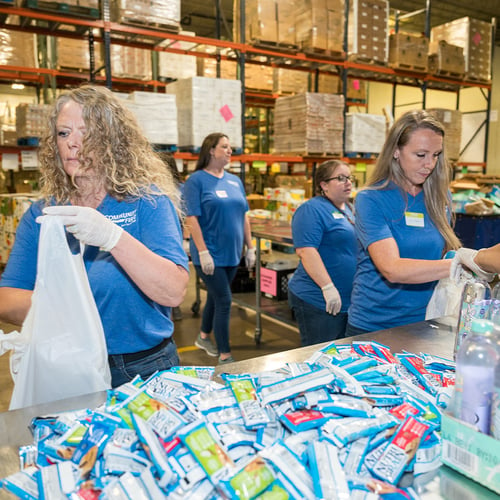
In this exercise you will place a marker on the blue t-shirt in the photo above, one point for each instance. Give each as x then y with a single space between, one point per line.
319 224
389 213
132 322
220 205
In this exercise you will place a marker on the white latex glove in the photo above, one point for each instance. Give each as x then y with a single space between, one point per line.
464 257
185 246
88 225
250 258
206 262
332 299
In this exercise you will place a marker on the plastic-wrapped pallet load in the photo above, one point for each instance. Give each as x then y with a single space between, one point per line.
166 13
475 37
31 120
131 62
309 123
18 49
364 133
206 105
156 114
176 66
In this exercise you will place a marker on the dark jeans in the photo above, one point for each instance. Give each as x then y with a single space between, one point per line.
316 325
352 331
123 371
217 311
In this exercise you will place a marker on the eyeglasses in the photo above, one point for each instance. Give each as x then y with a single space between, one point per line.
342 178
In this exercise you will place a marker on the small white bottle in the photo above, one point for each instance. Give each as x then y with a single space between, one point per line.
477 358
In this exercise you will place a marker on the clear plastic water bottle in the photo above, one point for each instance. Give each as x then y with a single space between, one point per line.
477 358
495 305
475 304
495 399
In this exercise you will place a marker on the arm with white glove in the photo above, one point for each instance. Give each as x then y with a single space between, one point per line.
206 260
159 278
88 225
250 258
332 299
315 268
466 257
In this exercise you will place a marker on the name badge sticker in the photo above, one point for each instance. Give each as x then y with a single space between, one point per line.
221 193
337 215
414 219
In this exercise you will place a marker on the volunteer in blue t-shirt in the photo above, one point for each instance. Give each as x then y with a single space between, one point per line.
319 292
403 227
113 193
216 216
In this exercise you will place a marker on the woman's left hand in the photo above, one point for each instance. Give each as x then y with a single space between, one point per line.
87 225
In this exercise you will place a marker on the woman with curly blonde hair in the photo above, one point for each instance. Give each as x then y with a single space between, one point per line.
113 193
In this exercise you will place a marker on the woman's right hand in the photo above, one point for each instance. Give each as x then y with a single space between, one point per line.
332 299
207 262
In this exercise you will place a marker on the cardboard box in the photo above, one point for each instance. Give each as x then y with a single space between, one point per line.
364 133
408 51
446 59
274 279
470 452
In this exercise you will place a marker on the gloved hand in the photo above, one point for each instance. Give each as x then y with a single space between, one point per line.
206 262
332 299
87 225
250 258
465 257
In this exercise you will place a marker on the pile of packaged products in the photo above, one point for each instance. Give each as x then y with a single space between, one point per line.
352 421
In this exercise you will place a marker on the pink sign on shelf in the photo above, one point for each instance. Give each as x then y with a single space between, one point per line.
226 112
356 85
477 38
269 281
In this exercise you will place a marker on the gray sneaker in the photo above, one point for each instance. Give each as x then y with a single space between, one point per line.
226 361
207 346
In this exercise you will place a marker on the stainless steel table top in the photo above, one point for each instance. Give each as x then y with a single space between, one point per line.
433 337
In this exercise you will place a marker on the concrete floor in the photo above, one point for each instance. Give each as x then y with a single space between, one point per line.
275 337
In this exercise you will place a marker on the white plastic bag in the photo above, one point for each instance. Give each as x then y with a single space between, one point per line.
445 300
64 352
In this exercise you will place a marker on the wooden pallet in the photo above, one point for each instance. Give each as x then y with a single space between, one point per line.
62 8
474 78
169 27
336 55
408 67
365 60
273 45
449 74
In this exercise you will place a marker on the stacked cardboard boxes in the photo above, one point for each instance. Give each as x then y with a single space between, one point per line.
368 32
173 66
131 62
408 51
12 208
165 13
475 37
309 123
452 122
364 133
206 105
319 26
18 49
31 120
156 114
446 59
72 53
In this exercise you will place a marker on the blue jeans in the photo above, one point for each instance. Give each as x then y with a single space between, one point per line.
352 331
217 311
316 325
123 370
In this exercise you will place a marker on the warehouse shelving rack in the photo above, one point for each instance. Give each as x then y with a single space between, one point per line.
106 32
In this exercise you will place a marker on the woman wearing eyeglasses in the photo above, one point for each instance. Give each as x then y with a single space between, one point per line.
403 226
324 239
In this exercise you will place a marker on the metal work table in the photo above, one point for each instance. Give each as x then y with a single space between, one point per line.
276 232
433 337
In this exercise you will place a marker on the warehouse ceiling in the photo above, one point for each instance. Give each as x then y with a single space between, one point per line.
200 15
